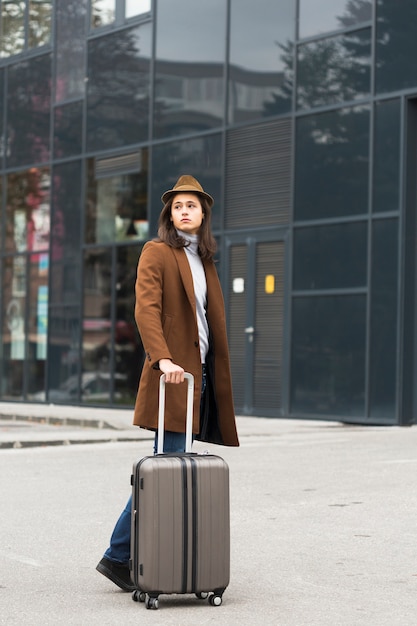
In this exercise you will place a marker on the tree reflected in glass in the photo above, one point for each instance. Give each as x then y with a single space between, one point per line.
12 27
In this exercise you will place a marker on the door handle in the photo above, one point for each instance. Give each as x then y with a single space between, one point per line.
250 331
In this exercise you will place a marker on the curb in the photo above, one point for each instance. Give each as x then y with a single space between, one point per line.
44 443
59 421
105 432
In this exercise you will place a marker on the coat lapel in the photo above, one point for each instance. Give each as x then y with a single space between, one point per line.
214 293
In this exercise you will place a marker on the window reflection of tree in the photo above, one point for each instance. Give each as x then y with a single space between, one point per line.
40 19
13 16
329 70
396 45
332 172
332 148
102 12
29 89
12 27
27 192
118 89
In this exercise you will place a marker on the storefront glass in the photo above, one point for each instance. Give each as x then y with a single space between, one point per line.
332 164
116 207
260 59
40 22
328 355
321 16
103 12
189 68
28 112
119 88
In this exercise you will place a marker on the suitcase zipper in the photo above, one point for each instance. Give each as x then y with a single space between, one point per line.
195 521
185 526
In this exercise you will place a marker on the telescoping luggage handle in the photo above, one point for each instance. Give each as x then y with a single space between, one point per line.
189 379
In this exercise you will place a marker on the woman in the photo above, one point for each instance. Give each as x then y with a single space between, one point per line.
181 319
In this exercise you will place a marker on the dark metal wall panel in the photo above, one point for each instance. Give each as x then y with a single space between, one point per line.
237 323
258 175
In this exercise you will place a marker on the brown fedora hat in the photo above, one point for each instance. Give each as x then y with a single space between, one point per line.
187 183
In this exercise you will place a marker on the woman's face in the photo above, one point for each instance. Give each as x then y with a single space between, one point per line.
187 212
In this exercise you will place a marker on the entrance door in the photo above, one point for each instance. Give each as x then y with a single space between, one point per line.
255 302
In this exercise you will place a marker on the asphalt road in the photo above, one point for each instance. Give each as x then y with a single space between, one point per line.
323 525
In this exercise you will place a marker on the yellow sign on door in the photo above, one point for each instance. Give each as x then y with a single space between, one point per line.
269 283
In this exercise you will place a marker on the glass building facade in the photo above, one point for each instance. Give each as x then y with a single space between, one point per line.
298 116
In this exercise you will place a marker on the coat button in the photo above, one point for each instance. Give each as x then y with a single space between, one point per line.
196 344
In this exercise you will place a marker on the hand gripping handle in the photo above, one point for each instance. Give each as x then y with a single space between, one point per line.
189 379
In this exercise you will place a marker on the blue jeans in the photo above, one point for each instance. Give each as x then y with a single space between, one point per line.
119 549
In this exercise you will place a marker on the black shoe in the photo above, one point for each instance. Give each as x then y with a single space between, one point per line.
118 573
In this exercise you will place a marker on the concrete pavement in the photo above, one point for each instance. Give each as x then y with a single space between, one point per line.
323 523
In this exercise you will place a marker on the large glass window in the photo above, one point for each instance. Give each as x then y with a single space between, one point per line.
332 164
19 17
189 68
118 88
2 130
12 27
40 21
65 280
117 205
97 327
328 257
63 356
70 49
28 210
28 111
13 303
260 71
37 322
201 157
112 350
102 12
396 45
321 16
2 247
106 12
137 7
386 183
336 69
383 355
128 351
328 355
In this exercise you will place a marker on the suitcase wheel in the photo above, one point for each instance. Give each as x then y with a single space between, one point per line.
215 600
138 596
152 603
202 595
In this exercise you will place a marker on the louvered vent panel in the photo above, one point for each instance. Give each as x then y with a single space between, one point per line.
258 175
118 165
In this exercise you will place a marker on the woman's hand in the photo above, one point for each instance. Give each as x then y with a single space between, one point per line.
173 373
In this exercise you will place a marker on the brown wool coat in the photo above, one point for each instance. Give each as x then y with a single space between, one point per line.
165 314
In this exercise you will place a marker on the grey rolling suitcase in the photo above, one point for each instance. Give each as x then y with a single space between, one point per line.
180 520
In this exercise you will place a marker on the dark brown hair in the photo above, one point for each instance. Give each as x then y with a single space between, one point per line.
167 232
